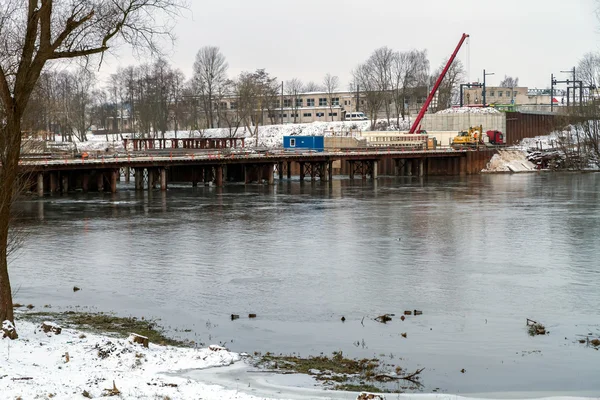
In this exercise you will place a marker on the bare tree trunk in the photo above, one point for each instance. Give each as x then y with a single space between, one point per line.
8 175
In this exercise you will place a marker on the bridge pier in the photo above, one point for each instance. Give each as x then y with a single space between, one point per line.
150 174
351 166
409 167
289 170
100 180
280 170
219 175
323 171
85 182
53 182
421 167
138 175
268 173
163 179
127 174
65 182
330 170
301 171
114 175
207 173
194 179
40 184
374 169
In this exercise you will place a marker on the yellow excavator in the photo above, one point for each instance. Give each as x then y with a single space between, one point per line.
468 139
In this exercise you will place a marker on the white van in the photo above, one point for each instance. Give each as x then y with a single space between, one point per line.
355 116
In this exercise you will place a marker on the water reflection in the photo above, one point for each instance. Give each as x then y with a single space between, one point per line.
477 254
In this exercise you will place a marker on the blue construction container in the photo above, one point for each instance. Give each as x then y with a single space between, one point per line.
316 143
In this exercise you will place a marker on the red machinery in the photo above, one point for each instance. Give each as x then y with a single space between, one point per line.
496 137
417 122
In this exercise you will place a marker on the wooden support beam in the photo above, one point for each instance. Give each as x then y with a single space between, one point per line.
114 175
100 181
40 184
53 182
163 179
65 182
85 182
219 175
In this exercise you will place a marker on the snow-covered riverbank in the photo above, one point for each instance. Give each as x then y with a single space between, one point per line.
74 364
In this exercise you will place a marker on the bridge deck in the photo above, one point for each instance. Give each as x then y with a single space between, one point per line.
235 156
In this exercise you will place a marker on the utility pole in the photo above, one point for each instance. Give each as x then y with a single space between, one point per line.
357 96
467 85
571 71
552 83
574 87
484 90
281 108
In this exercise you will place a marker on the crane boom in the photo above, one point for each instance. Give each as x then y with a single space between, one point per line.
417 122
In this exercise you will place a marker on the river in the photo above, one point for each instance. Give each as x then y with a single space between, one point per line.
477 255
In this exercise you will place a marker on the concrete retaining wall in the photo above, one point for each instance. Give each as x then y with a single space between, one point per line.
460 122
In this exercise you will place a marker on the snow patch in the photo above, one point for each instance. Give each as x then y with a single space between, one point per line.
510 161
270 136
64 366
469 110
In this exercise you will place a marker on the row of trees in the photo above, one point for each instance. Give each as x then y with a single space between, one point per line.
150 99
390 79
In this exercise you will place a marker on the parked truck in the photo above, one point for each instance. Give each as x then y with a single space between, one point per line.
474 137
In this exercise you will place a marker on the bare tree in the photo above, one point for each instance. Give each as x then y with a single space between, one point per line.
176 97
293 89
312 87
410 71
210 72
231 116
256 91
331 84
374 79
364 77
509 82
448 92
381 62
34 32
588 70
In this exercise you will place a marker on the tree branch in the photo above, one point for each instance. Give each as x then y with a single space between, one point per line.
77 53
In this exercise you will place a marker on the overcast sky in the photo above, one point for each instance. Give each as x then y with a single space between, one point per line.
529 39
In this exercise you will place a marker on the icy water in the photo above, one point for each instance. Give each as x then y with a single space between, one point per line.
477 255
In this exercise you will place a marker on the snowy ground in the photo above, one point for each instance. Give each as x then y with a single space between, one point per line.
76 365
510 161
268 135
470 110
36 366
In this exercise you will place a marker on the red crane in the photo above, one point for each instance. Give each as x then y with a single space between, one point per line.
417 122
